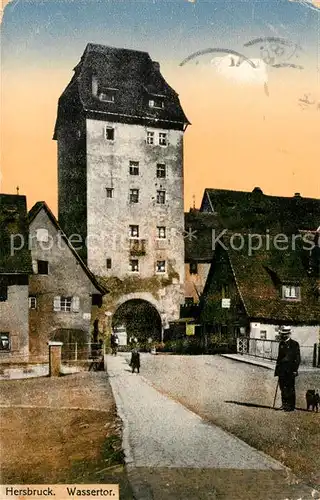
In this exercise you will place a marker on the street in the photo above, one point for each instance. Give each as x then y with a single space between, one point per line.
174 453
238 398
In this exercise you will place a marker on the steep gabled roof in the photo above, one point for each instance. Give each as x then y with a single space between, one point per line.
14 231
255 211
33 214
260 276
135 79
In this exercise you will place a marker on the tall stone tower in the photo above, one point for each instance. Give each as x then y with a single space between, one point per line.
120 173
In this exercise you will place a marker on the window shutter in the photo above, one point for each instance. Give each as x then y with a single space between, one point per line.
35 266
56 304
75 304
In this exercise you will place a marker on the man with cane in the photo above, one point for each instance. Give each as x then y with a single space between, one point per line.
287 368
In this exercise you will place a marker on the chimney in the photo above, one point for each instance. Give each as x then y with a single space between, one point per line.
156 65
297 195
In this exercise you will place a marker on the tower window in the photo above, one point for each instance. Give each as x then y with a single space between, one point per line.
150 137
134 231
193 268
43 267
134 195
156 102
161 266
134 265
161 232
163 139
108 263
134 168
107 95
161 170
109 133
161 197
4 341
32 302
109 192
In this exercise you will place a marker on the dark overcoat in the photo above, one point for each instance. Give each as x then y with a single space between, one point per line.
135 359
288 358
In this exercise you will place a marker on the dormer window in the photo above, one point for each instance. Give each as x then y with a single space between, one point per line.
106 94
291 292
156 102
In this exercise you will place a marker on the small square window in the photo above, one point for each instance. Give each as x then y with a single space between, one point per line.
163 139
134 195
161 232
43 267
161 197
161 170
4 341
134 231
134 266
150 137
3 293
32 302
108 263
109 133
109 192
290 292
193 268
134 168
161 266
263 334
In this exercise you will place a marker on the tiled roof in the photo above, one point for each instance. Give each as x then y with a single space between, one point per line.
255 211
134 78
14 232
261 275
246 212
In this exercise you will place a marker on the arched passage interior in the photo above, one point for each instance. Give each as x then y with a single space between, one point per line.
140 318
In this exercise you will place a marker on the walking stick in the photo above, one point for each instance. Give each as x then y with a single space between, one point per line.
275 395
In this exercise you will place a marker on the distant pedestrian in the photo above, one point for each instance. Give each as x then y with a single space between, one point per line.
135 360
287 368
114 341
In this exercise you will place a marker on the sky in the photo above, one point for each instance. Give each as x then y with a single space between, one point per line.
253 100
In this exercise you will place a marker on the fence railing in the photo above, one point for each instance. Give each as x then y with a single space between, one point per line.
78 352
268 349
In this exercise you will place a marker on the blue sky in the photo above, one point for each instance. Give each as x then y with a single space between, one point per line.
52 31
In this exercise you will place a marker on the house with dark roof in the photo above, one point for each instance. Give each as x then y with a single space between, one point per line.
251 293
15 268
63 293
252 212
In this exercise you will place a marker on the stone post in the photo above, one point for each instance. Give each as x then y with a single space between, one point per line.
54 358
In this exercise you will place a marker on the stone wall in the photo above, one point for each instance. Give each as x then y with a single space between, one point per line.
14 320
